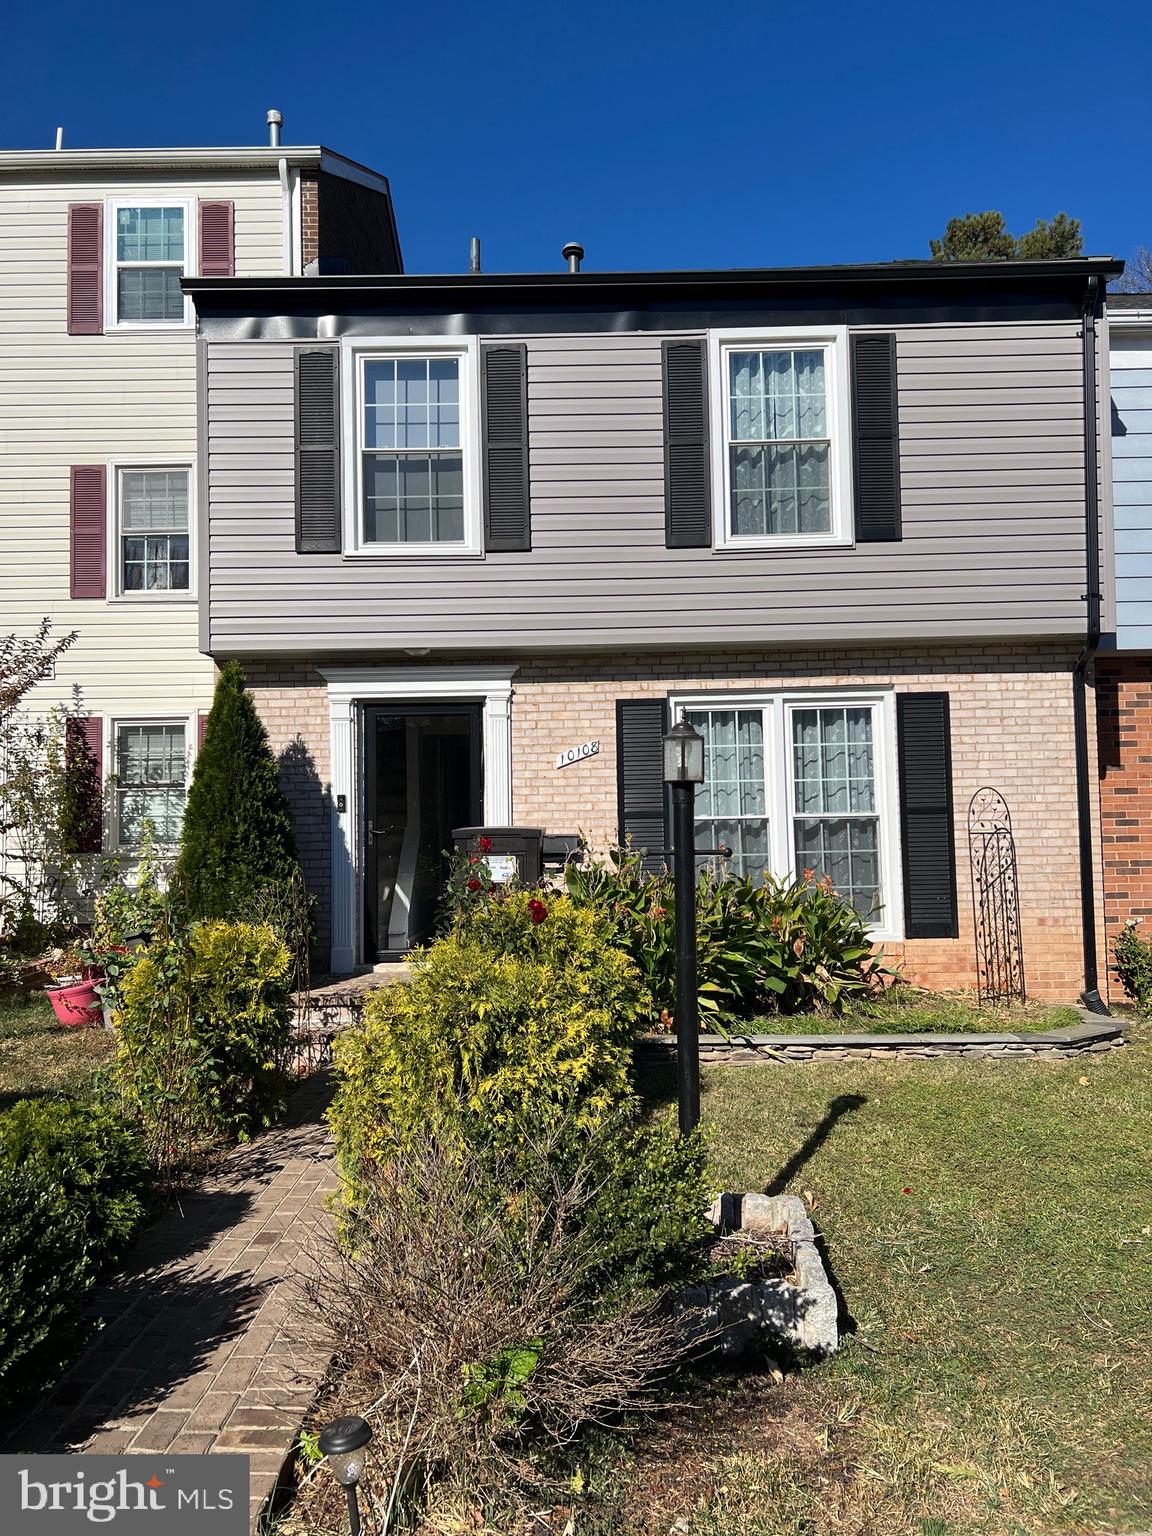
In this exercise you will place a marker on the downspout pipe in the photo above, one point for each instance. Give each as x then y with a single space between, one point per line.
1090 996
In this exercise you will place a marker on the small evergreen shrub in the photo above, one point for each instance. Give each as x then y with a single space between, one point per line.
237 837
510 1019
75 1182
204 1036
1133 956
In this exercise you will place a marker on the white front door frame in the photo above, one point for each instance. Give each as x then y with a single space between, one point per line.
348 689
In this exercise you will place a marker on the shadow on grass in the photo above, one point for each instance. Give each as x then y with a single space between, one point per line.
838 1107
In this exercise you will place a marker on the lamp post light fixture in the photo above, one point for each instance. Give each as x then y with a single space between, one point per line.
683 771
343 1443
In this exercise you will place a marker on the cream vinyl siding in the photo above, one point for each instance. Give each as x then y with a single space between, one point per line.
992 479
126 398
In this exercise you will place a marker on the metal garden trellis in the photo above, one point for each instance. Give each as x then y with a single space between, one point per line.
995 899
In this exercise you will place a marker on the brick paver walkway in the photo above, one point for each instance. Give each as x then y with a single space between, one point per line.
201 1345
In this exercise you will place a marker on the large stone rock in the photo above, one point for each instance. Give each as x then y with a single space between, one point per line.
797 1312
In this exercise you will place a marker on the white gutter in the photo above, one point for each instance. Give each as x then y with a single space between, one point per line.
151 159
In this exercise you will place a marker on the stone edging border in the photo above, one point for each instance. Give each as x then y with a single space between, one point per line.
1096 1034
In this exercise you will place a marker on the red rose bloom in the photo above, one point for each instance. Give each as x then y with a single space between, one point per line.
474 884
537 911
485 845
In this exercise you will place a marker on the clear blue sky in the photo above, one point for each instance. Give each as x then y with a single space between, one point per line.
693 133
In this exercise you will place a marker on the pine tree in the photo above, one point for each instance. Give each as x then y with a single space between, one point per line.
237 838
975 237
1050 238
984 237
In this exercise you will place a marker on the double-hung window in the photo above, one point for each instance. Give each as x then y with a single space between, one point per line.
802 784
416 487
148 247
153 553
780 451
151 780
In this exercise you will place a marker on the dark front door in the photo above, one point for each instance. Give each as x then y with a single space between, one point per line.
422 778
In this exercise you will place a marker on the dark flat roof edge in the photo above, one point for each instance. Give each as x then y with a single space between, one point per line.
412 284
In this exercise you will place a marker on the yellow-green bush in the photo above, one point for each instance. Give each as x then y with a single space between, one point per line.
518 1017
204 1037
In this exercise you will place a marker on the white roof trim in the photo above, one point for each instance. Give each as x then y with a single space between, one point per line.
258 156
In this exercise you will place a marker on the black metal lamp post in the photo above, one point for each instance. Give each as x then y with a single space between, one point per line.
343 1442
683 771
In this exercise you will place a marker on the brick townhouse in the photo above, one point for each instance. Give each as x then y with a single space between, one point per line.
477 539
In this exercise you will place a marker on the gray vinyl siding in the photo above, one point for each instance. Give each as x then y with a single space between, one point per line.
992 476
1131 369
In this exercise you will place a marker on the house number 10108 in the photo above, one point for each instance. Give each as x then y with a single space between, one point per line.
577 754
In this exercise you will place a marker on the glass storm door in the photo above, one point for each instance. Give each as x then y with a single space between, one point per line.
422 778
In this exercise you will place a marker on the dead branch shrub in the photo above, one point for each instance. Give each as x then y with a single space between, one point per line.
468 1307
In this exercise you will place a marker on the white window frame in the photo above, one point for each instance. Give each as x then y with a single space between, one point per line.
146 199
113 726
116 589
833 340
777 706
355 352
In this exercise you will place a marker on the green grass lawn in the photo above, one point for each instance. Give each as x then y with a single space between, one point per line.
905 1011
990 1227
39 1056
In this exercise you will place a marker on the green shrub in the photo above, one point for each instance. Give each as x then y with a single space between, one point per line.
75 1181
204 1035
763 945
507 1020
1133 956
237 836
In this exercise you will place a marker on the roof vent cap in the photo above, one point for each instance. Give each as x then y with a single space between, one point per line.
275 122
573 254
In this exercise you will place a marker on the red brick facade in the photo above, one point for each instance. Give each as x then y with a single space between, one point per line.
1012 728
343 220
1124 711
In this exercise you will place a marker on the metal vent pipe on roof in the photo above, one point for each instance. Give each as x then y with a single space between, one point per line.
475 256
59 138
573 254
275 120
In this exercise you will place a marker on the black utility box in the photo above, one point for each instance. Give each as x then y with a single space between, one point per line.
515 851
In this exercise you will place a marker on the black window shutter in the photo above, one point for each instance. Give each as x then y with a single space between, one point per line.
926 827
317 451
876 442
507 522
687 502
640 725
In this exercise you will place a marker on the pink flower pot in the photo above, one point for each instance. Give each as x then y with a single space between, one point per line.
77 1006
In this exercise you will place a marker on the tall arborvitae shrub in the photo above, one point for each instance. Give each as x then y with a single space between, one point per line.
237 838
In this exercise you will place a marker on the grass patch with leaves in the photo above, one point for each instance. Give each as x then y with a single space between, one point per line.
903 1010
39 1056
991 1230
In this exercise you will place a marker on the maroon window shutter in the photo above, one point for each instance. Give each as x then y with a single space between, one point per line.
201 726
85 269
217 244
88 512
87 732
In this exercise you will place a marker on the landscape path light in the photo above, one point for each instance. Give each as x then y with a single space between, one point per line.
343 1443
683 772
